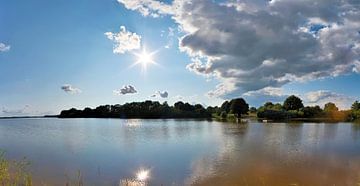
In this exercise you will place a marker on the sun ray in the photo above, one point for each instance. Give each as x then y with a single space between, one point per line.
144 59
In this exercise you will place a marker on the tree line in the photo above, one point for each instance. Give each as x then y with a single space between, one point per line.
146 109
291 108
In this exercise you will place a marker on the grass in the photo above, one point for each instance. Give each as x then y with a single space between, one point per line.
14 173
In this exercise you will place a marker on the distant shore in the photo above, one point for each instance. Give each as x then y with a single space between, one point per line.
21 117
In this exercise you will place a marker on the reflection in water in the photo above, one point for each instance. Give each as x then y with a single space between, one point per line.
133 122
141 179
142 175
287 154
185 152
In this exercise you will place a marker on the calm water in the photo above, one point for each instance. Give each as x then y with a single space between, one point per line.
185 152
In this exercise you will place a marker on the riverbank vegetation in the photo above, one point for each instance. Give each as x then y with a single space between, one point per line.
146 109
291 109
13 173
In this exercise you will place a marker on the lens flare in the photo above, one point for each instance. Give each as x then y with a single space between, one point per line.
144 59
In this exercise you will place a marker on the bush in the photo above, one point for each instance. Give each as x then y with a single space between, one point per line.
272 114
223 115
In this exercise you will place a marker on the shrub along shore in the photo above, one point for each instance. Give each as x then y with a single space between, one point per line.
291 109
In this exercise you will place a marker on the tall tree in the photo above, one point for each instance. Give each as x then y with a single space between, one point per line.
330 107
239 106
355 106
293 103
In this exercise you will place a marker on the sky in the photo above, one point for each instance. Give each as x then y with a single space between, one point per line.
57 54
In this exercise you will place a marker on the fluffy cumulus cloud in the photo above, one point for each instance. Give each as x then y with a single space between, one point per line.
259 97
253 44
127 89
162 94
321 97
124 40
70 89
4 47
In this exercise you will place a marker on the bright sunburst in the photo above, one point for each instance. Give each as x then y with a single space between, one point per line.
142 175
144 59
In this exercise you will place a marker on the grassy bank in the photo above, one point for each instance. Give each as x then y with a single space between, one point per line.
14 173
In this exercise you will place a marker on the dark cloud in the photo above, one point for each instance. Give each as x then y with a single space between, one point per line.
162 94
70 89
251 45
127 89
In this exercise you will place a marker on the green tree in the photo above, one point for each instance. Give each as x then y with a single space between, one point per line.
252 109
268 105
239 106
225 107
293 103
355 106
312 111
330 107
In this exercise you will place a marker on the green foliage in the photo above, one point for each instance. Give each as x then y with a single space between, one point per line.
252 110
223 115
355 115
293 103
271 106
355 106
146 109
239 106
225 107
330 107
312 111
355 112
272 114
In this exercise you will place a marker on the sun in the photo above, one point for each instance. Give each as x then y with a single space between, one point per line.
145 59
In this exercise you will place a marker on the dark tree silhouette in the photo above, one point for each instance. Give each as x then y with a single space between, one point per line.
239 106
293 103
225 107
355 106
146 109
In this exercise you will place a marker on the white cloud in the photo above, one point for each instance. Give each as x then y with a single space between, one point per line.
124 40
269 91
162 94
170 37
127 89
253 44
14 112
321 97
259 97
147 7
70 89
4 47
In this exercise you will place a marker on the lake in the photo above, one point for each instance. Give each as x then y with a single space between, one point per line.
185 152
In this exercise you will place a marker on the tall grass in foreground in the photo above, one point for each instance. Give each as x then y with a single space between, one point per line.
14 173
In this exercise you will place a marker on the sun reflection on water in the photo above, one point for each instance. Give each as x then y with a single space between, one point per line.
141 179
133 122
142 175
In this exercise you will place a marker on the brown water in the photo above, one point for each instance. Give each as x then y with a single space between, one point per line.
185 152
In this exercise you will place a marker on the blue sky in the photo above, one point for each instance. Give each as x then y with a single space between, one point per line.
56 43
